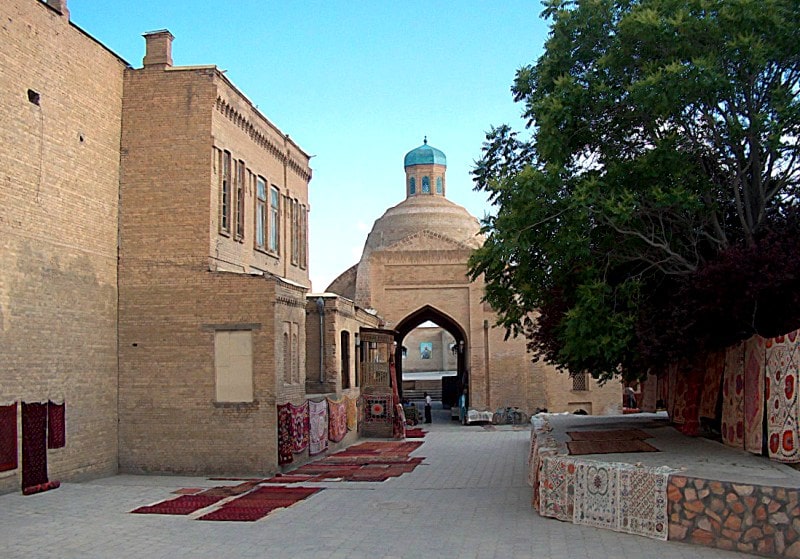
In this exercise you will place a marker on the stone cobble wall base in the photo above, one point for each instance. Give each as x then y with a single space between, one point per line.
747 518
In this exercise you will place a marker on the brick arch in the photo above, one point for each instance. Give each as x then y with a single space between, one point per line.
430 313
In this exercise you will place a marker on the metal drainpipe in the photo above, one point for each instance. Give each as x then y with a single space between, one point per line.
321 309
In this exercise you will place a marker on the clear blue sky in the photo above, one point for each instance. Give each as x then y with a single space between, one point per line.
356 84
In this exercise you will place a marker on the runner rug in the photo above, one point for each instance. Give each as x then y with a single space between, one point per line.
185 504
783 361
259 503
609 446
285 440
337 420
318 425
733 397
609 435
8 437
754 355
300 427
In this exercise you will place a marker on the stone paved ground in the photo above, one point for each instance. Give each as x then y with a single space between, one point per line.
468 499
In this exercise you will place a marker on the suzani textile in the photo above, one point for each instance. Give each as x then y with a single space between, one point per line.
378 408
643 501
556 487
754 352
686 386
733 397
352 413
337 420
284 434
300 427
596 495
318 423
712 380
783 362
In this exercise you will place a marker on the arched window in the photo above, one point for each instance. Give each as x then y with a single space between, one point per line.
287 359
439 188
345 351
426 185
412 185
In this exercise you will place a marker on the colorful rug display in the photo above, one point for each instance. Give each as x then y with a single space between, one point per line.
556 487
712 381
259 503
352 412
643 501
318 427
783 406
370 461
609 446
596 495
8 437
34 444
285 440
56 425
733 397
300 427
337 420
754 355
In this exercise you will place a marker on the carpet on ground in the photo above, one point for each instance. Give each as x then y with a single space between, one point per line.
609 446
609 435
185 504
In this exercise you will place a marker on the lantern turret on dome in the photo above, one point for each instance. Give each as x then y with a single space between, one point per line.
425 171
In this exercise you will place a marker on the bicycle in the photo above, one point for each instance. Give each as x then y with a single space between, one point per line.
510 416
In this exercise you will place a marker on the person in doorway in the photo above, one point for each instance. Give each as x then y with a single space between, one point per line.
427 407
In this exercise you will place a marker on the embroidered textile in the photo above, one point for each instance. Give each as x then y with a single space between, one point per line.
318 427
285 434
337 420
300 427
556 487
643 501
754 354
352 413
378 408
783 362
712 380
8 437
56 426
733 397
34 444
596 495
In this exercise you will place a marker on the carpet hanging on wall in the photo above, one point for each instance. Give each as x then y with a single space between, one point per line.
712 381
352 413
318 427
733 397
284 434
8 437
56 425
753 408
337 420
300 427
34 444
783 362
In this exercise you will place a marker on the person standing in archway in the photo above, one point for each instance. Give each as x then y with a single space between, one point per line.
427 408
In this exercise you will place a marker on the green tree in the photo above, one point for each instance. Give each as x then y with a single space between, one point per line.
663 139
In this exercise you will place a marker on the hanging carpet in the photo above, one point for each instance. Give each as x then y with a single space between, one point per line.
8 437
712 380
34 444
337 420
733 397
783 362
753 408
285 440
318 427
300 427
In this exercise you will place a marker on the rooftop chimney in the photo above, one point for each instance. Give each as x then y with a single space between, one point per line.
158 51
60 6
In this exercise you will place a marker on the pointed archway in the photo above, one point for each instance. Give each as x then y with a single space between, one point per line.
450 391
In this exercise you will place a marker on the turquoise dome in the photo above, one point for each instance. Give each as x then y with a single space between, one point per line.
425 155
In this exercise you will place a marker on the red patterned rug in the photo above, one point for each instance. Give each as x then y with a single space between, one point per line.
609 435
609 446
415 433
185 504
259 503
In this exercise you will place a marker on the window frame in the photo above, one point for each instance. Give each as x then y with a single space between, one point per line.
273 230
226 160
261 213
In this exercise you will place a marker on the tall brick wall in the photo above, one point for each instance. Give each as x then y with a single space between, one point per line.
59 157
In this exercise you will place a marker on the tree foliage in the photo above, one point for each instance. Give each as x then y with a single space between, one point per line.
636 220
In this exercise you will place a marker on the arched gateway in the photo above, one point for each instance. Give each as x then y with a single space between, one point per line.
414 269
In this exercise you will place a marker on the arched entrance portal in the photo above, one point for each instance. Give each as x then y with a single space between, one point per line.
452 387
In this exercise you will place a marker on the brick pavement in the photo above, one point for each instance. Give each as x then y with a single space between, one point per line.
468 499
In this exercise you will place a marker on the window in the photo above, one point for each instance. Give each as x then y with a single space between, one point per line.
303 237
345 347
579 383
412 185
233 365
426 185
225 194
261 212
274 214
287 355
239 189
439 188
295 232
295 353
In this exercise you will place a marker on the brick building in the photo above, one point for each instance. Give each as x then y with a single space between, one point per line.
414 269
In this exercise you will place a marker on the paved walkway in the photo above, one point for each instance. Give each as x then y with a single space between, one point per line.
468 499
